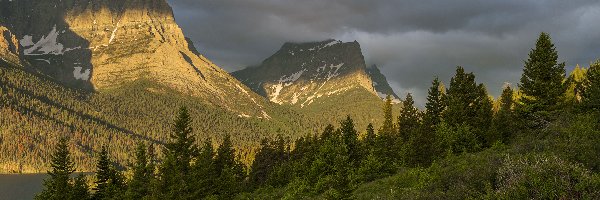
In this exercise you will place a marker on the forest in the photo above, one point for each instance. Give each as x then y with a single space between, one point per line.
539 141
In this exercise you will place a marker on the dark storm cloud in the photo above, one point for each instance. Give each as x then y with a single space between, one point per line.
411 41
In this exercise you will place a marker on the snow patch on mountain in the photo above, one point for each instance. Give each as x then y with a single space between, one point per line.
47 44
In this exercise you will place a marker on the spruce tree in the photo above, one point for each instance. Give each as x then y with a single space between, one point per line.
504 119
230 172
58 186
574 85
434 106
482 122
350 138
370 137
388 120
138 186
81 190
542 79
109 182
175 180
204 172
591 88
409 118
460 98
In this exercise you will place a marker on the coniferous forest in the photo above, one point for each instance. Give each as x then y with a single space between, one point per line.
538 140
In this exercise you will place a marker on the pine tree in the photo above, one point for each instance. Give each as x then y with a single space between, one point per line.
591 88
175 180
58 186
504 119
409 118
460 98
350 138
542 79
204 172
230 172
434 106
482 122
109 182
388 120
81 190
138 186
369 141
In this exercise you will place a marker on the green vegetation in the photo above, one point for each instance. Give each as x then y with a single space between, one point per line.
459 148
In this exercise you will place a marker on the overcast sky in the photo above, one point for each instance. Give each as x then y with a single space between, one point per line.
411 40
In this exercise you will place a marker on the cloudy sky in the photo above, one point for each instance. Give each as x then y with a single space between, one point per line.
411 41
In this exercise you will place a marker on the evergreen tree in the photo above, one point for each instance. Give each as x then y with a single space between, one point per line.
81 190
109 182
542 79
179 152
350 139
504 119
591 88
58 186
329 170
388 120
482 122
409 118
138 186
204 172
434 106
460 98
369 141
230 172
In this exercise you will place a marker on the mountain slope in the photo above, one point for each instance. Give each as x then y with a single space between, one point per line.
97 45
321 80
113 73
303 73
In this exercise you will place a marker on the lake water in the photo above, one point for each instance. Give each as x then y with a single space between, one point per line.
20 186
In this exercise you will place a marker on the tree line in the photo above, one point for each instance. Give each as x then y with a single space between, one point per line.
457 120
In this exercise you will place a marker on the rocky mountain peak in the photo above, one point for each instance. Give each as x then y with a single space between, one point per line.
104 44
301 73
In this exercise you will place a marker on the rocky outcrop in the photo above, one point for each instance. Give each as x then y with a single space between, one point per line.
302 73
9 46
101 44
380 83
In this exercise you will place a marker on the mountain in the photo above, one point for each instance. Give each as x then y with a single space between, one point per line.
99 45
380 83
114 72
304 73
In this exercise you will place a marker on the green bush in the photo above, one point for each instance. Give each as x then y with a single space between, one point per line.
544 176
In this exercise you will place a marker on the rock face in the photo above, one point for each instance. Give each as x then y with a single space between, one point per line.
9 46
102 44
380 83
303 73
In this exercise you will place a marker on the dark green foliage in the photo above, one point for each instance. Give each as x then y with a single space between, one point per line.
109 181
350 139
460 99
469 105
205 172
59 185
175 176
591 88
409 119
369 140
544 177
504 120
269 158
81 190
434 107
455 139
143 175
482 122
230 171
388 119
542 79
